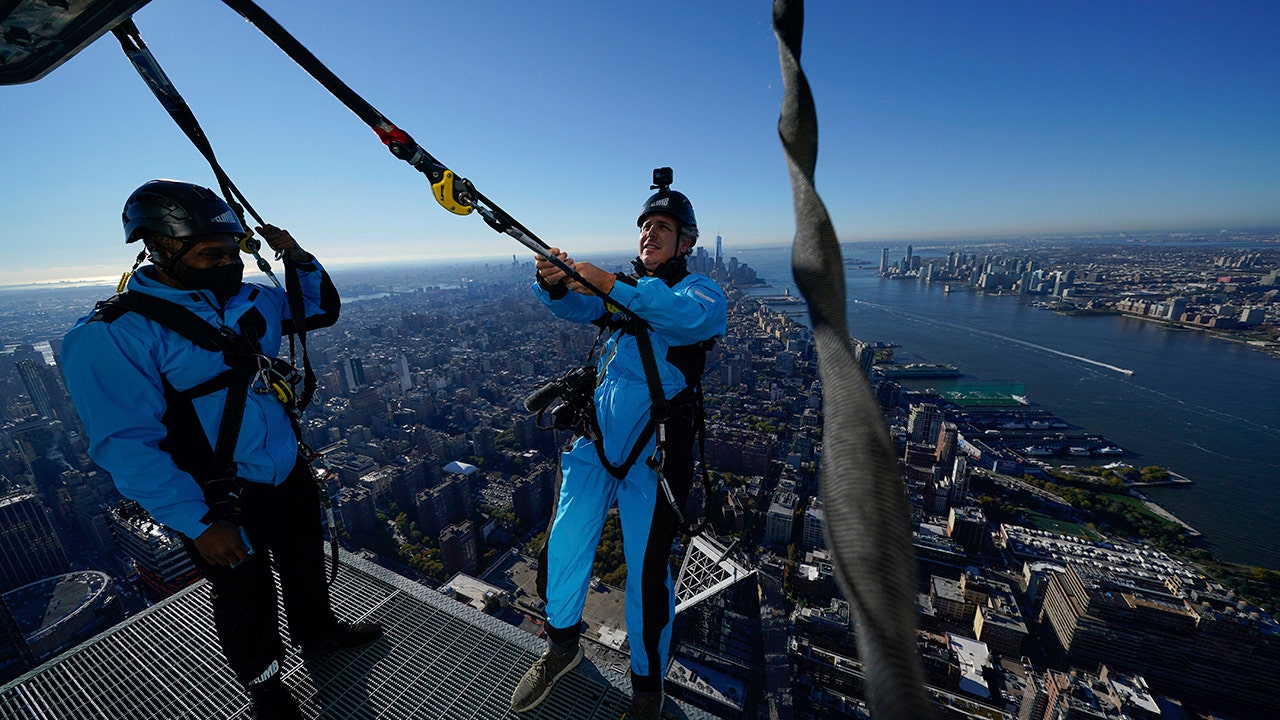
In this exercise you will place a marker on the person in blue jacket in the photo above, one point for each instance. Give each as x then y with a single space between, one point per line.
153 402
681 312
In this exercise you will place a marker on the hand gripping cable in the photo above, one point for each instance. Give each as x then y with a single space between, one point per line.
456 194
172 101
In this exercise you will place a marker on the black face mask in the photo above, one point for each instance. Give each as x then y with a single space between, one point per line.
223 280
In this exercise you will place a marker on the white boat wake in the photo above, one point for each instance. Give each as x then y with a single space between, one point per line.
1080 358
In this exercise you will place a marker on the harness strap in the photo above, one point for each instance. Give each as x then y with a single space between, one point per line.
149 69
237 352
293 294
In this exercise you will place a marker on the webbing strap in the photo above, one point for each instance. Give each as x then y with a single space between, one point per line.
659 407
455 194
235 349
867 522
293 294
224 449
167 93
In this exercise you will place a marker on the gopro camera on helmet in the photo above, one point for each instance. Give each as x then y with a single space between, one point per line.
671 202
661 178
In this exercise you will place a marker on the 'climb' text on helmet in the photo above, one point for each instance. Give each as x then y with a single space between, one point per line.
178 210
670 202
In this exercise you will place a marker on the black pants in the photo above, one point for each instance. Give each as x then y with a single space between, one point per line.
282 523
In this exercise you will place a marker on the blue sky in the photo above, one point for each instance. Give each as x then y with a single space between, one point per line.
937 120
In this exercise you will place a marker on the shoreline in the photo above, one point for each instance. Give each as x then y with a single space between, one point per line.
1156 508
1174 478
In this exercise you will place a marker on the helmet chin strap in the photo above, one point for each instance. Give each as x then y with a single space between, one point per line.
160 257
167 264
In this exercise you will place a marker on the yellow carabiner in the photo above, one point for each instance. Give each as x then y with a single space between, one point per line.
249 243
443 191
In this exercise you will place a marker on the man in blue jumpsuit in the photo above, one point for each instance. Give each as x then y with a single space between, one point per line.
682 310
153 401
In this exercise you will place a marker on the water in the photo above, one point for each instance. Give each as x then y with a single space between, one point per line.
1203 407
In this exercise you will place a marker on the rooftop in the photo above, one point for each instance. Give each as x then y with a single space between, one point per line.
438 659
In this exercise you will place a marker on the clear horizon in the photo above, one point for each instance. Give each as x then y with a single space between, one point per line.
111 275
936 121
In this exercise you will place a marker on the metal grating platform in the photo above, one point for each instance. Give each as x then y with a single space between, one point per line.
438 659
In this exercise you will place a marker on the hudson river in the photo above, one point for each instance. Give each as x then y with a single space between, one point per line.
1202 407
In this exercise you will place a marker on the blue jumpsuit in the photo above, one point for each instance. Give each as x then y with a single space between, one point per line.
690 311
122 374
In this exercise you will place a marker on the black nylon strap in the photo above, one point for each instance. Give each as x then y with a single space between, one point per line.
236 352
293 293
172 101
658 413
224 449
867 521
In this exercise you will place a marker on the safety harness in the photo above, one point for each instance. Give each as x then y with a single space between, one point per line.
686 404
249 370
149 69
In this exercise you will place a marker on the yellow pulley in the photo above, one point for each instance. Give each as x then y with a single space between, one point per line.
443 190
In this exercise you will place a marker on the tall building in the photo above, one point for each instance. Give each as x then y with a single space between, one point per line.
41 387
364 405
531 496
959 480
812 535
968 527
780 518
359 516
353 377
718 655
157 552
1188 643
445 504
948 436
460 548
866 355
29 545
924 423
83 500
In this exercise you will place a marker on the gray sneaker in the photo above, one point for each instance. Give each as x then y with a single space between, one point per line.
646 705
536 684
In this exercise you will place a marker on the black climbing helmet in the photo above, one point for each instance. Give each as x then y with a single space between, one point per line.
672 203
178 210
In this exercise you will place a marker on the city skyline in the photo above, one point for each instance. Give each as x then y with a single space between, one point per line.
422 370
935 121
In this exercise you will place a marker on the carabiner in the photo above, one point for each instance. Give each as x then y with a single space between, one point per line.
249 243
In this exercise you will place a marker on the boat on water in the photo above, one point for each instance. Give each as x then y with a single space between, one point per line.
1037 451
917 370
1109 450
1073 450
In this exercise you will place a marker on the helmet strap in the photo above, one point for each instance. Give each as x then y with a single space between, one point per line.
163 259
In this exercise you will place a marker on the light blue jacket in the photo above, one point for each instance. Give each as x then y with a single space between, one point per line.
692 310
114 369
